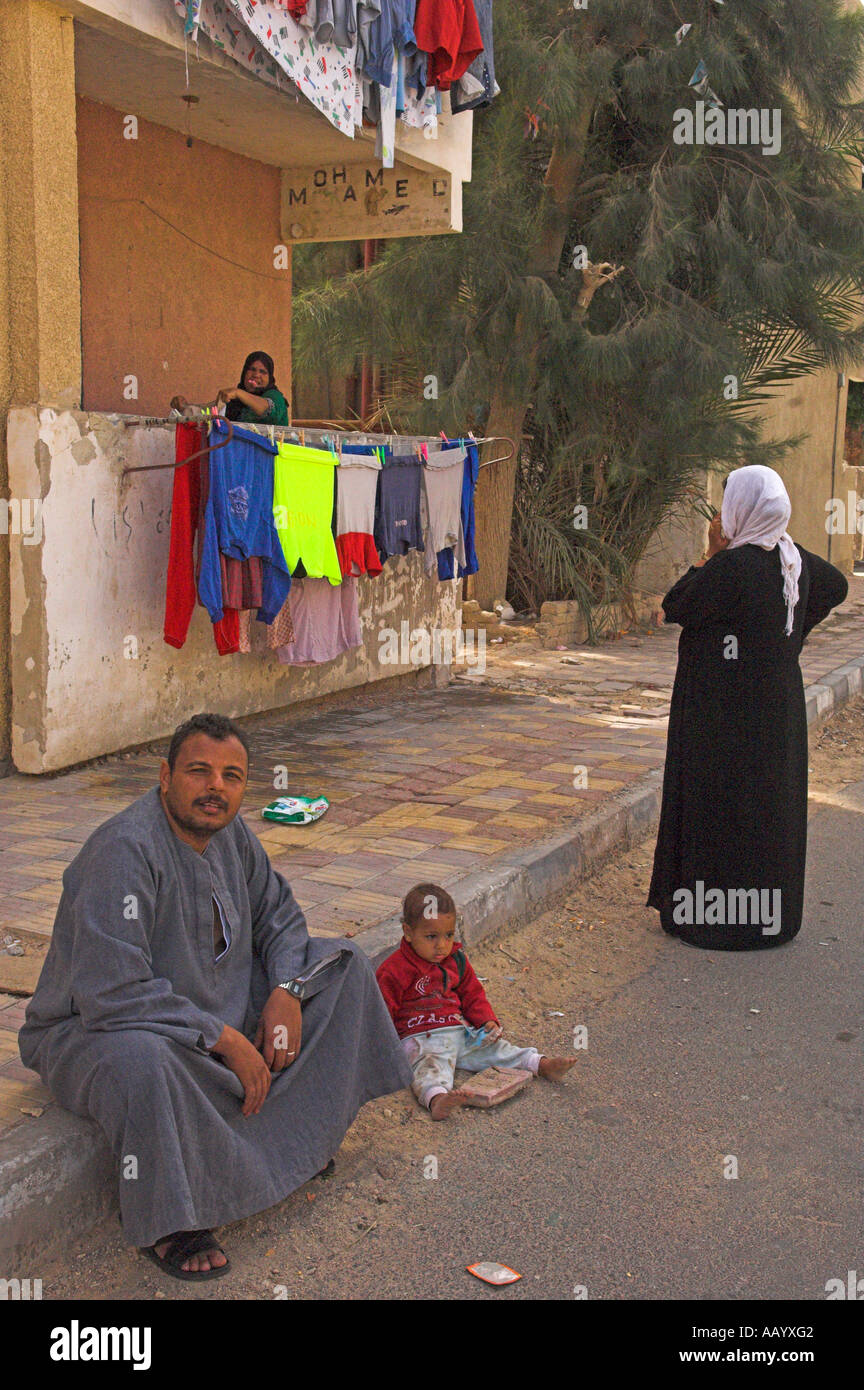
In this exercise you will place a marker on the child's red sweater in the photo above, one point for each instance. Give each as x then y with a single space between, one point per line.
422 995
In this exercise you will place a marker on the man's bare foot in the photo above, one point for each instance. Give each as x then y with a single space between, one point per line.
441 1105
555 1068
200 1263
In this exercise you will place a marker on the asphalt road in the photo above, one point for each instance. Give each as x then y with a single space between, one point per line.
615 1182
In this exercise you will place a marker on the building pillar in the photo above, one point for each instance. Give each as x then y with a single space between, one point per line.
40 293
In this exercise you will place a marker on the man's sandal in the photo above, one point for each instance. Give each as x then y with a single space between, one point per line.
181 1246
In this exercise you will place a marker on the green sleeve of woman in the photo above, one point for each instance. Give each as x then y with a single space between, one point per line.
276 415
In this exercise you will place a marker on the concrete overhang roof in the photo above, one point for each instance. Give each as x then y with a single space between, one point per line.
131 55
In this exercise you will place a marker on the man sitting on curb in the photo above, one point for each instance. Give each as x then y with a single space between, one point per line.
164 1011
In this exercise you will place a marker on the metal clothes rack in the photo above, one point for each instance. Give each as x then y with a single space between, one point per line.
296 434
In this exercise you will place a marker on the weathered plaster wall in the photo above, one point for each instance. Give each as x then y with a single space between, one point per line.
94 585
178 281
40 356
810 406
673 547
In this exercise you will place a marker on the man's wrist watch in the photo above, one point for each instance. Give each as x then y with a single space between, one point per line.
295 987
309 981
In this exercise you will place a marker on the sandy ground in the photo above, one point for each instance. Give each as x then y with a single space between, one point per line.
589 948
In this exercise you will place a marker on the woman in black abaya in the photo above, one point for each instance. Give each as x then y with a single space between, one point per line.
732 842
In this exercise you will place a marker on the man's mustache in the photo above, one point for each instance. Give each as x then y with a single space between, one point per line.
211 801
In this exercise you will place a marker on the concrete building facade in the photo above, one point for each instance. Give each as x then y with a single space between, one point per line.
150 194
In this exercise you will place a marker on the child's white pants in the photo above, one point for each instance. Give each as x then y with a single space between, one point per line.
434 1057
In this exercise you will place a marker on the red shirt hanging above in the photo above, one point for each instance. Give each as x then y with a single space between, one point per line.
448 31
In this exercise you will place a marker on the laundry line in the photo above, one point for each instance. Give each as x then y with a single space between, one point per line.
296 433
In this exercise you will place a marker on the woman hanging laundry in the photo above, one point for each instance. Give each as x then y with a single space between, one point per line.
255 400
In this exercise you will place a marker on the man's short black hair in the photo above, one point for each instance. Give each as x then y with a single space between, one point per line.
217 726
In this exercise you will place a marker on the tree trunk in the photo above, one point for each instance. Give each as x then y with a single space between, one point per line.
494 503
496 485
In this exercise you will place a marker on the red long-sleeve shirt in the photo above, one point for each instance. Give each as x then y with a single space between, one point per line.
180 595
422 995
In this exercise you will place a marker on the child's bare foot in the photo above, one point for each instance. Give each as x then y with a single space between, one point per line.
555 1068
441 1105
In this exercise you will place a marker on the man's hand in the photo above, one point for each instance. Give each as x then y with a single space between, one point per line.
280 1029
247 1064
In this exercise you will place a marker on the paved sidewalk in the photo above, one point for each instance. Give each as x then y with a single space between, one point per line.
434 785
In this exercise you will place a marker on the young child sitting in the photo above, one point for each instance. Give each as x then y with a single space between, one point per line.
440 1008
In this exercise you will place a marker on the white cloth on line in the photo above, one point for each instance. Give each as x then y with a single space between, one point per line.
441 504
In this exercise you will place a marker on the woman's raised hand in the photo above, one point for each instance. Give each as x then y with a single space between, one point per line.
716 540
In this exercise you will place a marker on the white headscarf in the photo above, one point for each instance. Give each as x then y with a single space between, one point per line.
756 511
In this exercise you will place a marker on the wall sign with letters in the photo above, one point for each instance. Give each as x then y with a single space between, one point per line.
349 202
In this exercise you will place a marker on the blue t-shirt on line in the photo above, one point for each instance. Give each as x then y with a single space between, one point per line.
239 520
446 557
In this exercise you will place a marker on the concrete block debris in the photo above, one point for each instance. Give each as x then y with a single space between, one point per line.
494 1085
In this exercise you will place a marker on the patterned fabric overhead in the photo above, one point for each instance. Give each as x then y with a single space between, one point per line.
266 40
357 58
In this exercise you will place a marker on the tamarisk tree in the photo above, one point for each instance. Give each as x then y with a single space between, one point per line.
665 219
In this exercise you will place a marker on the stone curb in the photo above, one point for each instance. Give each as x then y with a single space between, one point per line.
55 1174
517 887
834 690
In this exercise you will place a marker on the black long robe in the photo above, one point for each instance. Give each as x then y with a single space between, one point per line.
734 812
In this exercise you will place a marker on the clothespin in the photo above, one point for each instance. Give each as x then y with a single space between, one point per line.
272 433
303 438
